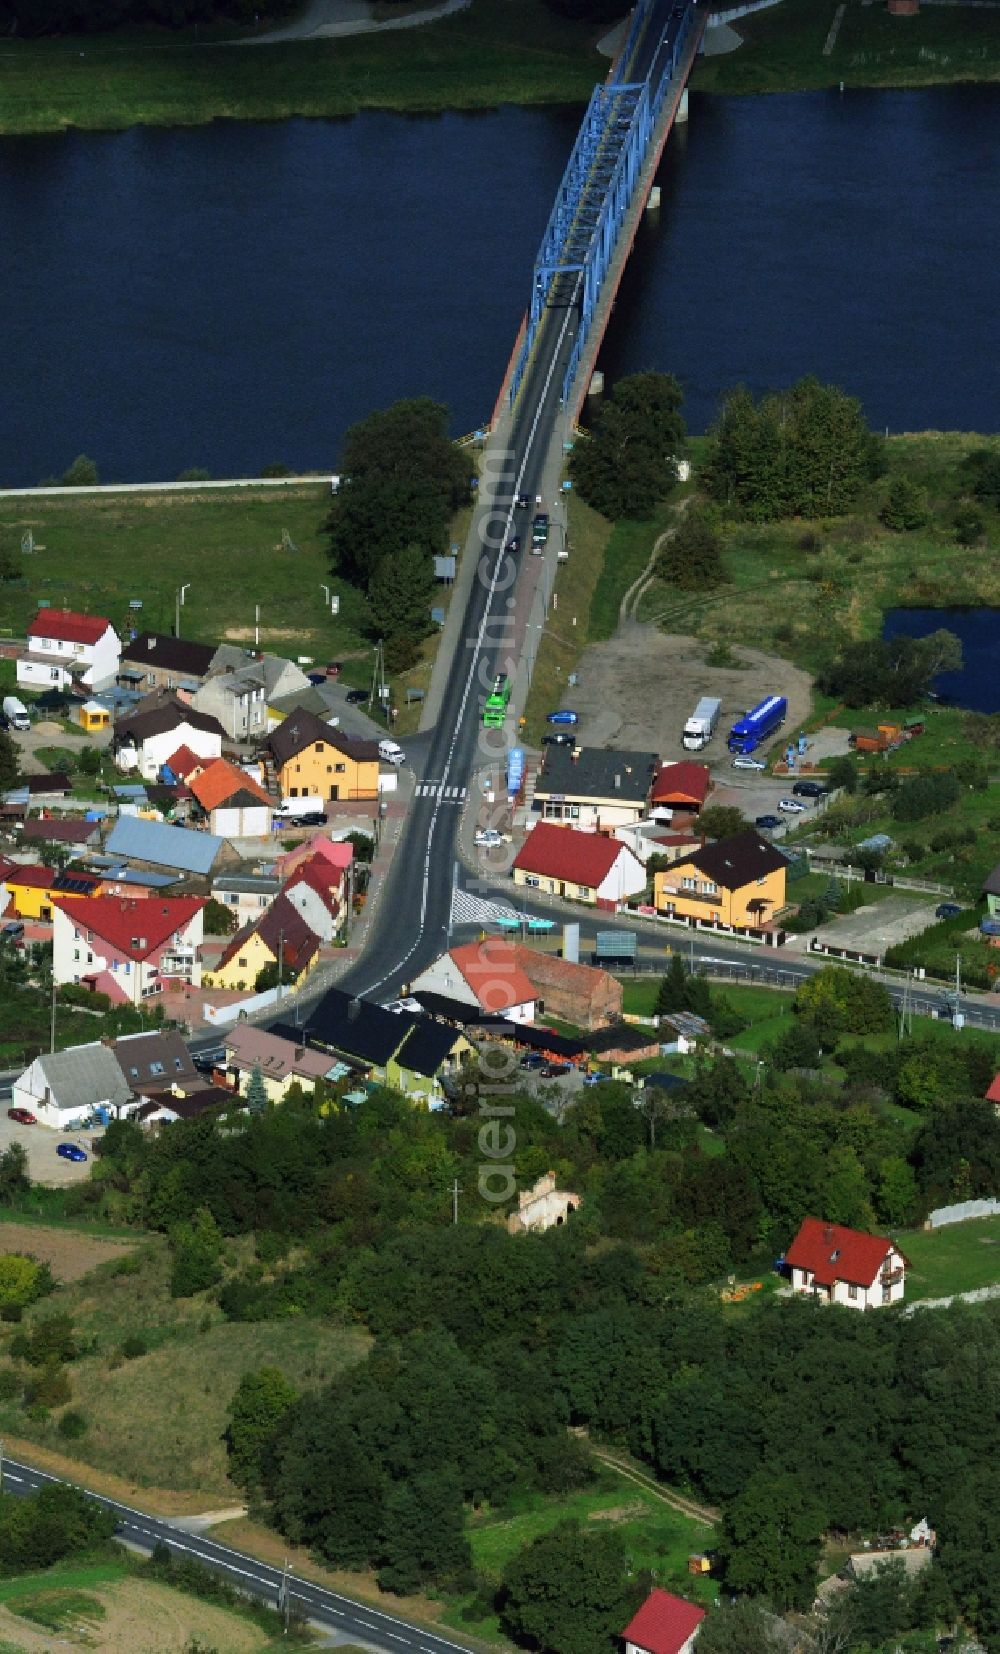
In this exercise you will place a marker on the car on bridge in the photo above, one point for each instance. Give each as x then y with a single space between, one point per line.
565 715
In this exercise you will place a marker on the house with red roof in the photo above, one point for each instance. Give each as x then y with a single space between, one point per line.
993 1094
512 980
236 805
846 1266
317 889
131 949
338 852
665 1624
682 786
67 650
183 764
584 867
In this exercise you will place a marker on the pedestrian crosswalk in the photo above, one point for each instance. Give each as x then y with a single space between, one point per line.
467 909
445 795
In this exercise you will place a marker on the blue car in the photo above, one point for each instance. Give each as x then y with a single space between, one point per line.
69 1151
566 716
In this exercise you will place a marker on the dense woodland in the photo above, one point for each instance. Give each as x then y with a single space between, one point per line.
795 1420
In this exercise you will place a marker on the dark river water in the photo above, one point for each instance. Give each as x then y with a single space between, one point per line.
977 686
231 295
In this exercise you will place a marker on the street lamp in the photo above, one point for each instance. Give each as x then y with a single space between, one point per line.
178 605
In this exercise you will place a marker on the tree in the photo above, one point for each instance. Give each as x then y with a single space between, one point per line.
770 1539
740 1627
10 762
260 1402
671 995
267 977
842 773
722 821
969 525
627 464
423 1539
14 1179
89 761
219 920
22 1281
906 506
256 1092
894 671
568 1592
925 795
691 555
400 594
11 566
81 474
196 1248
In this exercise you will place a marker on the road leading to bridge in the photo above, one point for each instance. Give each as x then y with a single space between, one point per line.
413 922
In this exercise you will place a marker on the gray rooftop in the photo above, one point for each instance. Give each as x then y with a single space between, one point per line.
178 847
596 772
251 884
84 1076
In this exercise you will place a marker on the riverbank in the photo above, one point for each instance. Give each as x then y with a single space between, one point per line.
497 52
785 49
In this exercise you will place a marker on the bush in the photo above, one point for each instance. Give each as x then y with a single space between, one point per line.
906 507
50 1386
73 1424
11 1383
925 795
81 474
51 1339
969 526
134 1346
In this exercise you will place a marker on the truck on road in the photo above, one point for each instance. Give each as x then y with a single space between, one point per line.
755 726
700 727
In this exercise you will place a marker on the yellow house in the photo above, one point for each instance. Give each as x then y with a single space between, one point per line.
280 935
32 889
737 881
313 760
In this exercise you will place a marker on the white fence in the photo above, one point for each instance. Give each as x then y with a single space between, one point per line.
219 1016
962 1212
732 12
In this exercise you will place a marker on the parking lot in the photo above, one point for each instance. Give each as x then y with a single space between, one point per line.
757 795
44 1164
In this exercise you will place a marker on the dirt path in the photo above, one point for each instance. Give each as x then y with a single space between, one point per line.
325 19
676 1501
629 607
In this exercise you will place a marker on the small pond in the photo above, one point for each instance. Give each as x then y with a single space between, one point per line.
977 686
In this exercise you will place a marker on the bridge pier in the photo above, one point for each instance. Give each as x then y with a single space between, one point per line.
653 204
682 109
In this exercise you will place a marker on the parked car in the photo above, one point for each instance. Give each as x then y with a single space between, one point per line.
13 931
743 762
205 1061
558 740
489 836
333 668
312 818
523 502
316 678
23 1116
791 806
70 1151
809 789
514 545
769 823
555 1070
564 716
595 1079
355 697
532 1060
947 910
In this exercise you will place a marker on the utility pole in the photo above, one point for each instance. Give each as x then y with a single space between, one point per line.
455 1192
52 1013
281 963
178 605
256 625
284 1605
1 1466
349 913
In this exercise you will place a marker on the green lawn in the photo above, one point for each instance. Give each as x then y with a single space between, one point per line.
783 49
500 51
956 1259
657 1538
96 552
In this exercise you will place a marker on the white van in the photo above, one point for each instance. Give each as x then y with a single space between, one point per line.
391 753
16 713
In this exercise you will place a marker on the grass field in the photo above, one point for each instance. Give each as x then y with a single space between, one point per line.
25 1021
561 645
956 1259
106 1603
500 51
160 1419
97 552
783 49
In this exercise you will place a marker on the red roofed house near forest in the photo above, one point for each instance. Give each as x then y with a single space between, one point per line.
130 950
846 1266
66 649
511 980
665 1624
582 866
993 1094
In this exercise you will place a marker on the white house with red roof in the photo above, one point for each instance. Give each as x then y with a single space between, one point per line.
586 867
993 1093
131 950
846 1266
67 650
486 974
665 1624
316 889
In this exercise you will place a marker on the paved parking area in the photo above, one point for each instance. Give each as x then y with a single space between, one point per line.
44 1165
871 930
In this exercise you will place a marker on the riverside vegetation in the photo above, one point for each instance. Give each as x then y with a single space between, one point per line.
475 1350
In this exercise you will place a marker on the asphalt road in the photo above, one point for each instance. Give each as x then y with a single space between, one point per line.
412 927
355 1621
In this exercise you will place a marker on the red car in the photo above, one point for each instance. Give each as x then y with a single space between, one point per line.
23 1116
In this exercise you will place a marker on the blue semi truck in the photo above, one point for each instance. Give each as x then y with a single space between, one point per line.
754 727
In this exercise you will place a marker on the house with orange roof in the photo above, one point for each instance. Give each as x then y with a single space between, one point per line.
236 805
512 980
132 950
68 650
681 786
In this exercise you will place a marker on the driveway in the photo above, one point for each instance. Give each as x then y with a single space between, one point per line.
44 1165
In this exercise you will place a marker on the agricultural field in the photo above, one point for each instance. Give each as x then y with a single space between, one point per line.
69 1253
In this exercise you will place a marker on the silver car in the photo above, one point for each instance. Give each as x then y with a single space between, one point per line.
744 762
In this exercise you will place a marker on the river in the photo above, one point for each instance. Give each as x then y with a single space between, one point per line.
236 294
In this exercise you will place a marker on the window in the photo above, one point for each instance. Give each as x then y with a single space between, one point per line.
329 769
128 967
76 953
156 1068
151 677
114 964
583 890
76 934
54 673
574 812
852 1291
710 887
134 1073
178 1064
689 883
242 964
339 769
531 879
318 747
